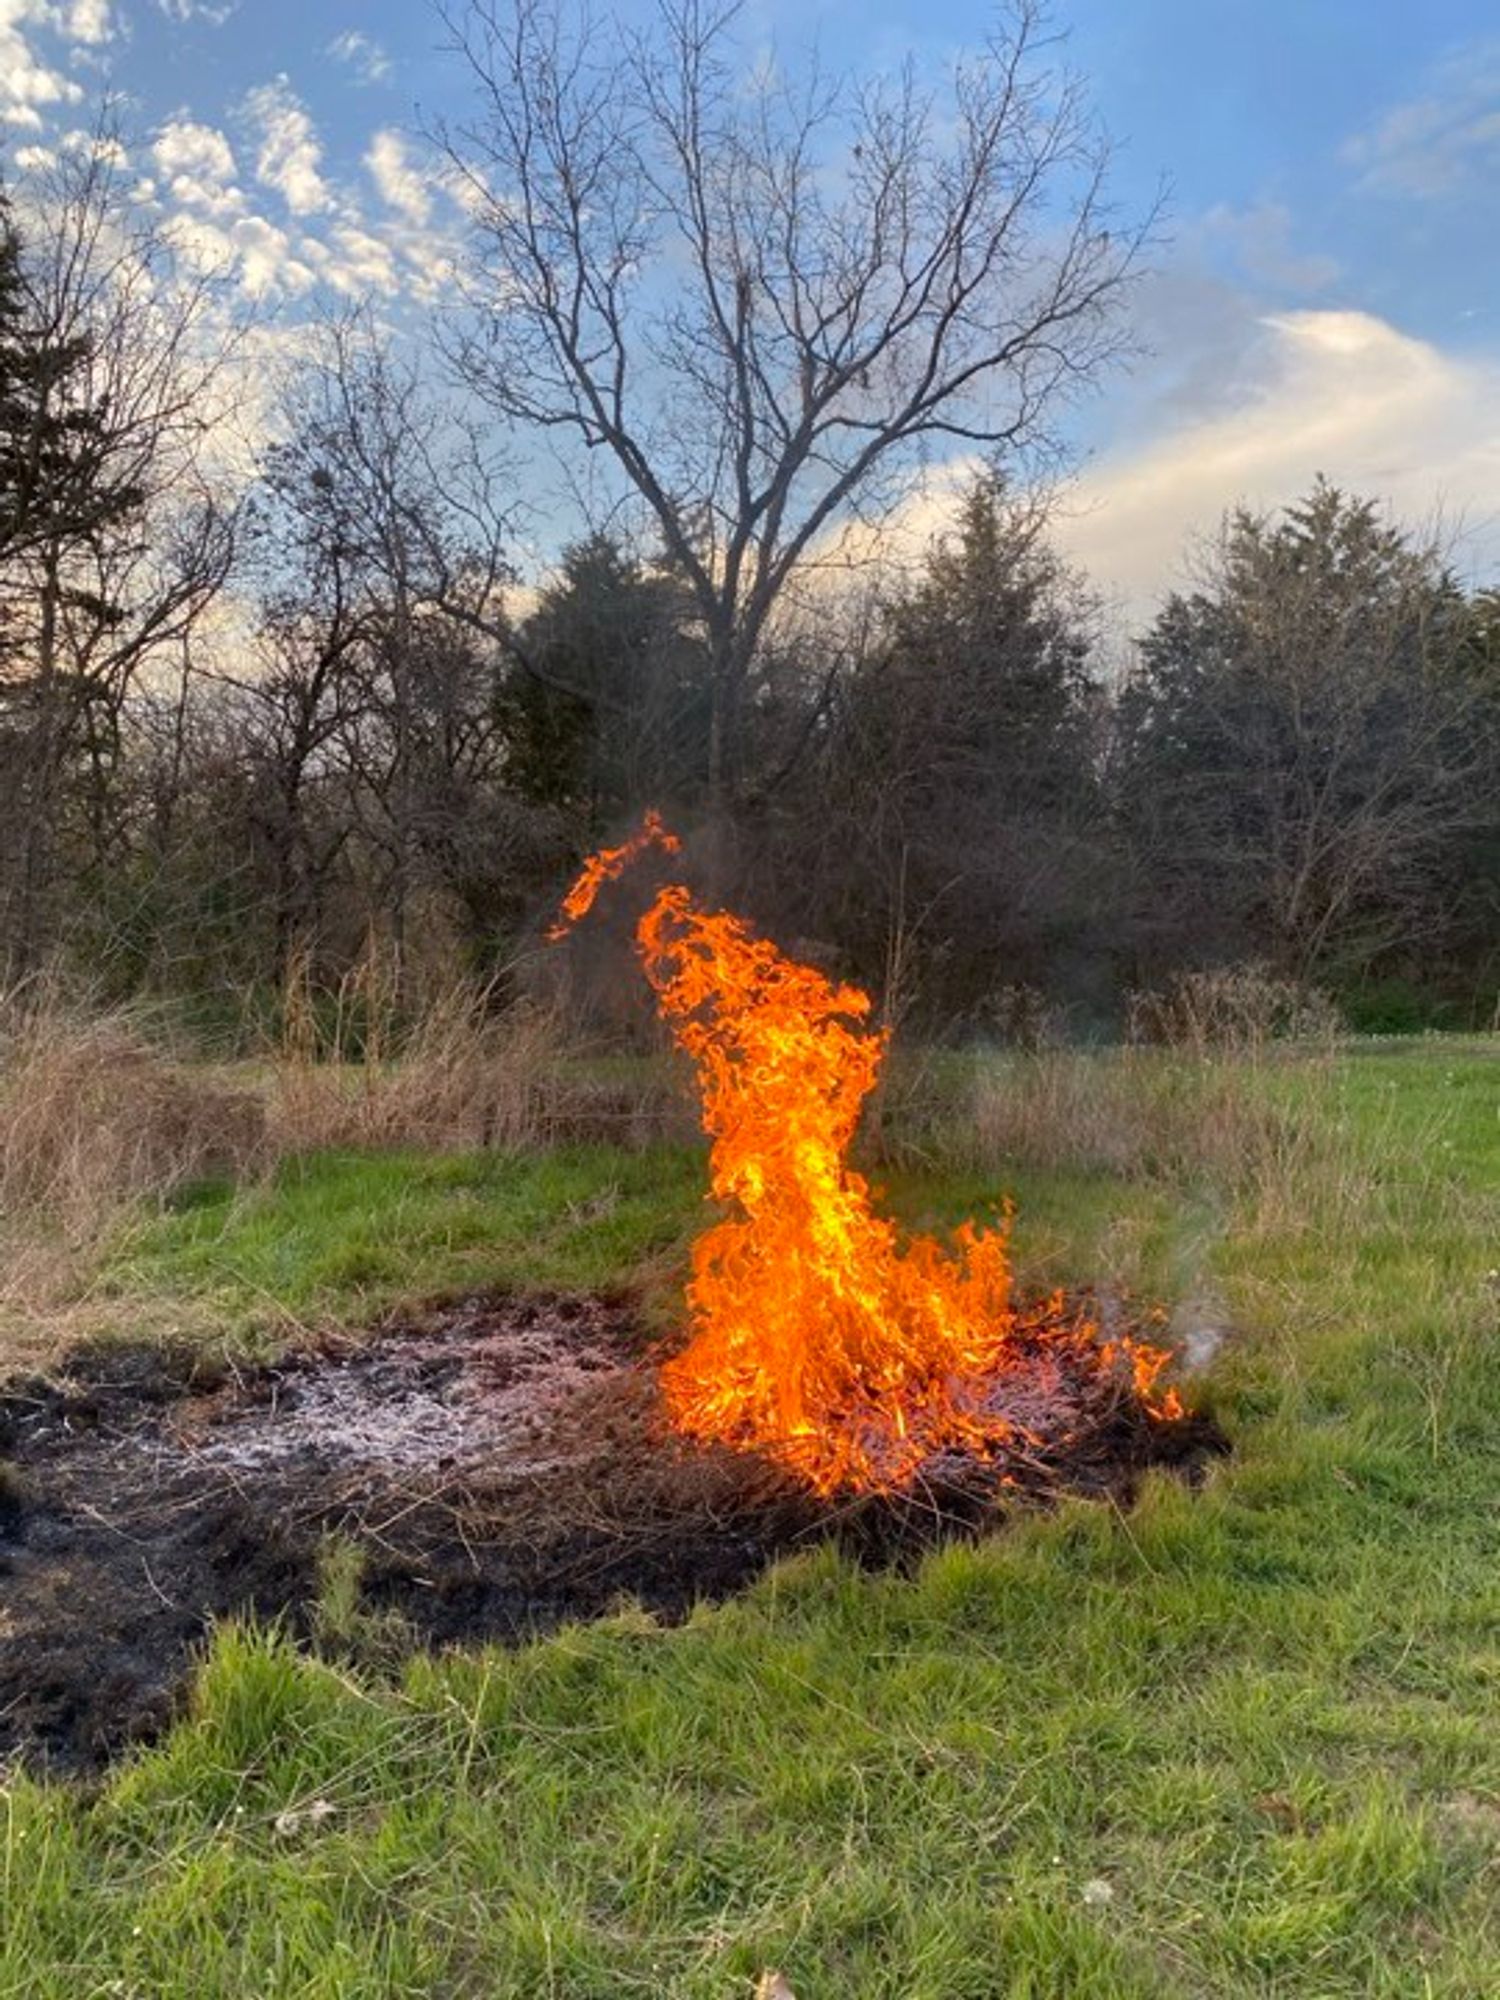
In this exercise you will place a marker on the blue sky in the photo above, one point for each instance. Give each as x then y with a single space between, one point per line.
1327 299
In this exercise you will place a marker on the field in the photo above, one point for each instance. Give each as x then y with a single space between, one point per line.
1239 1740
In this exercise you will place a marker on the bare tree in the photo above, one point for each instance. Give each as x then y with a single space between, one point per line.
763 295
384 566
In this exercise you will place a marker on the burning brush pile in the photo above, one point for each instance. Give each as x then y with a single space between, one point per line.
500 1464
860 1363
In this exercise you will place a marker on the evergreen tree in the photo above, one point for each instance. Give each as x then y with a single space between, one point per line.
56 484
608 708
1297 746
961 774
111 544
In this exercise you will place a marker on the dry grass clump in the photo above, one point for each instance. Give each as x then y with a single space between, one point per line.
1232 1009
352 1073
1146 1114
464 1079
92 1115
1198 1094
94 1119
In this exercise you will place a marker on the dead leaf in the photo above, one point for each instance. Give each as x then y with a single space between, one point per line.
1284 1812
773 1986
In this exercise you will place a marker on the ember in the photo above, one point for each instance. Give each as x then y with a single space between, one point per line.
820 1338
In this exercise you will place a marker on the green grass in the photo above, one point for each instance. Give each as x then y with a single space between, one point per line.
1242 1742
345 1235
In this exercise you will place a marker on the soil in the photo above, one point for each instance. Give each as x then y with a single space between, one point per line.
500 1463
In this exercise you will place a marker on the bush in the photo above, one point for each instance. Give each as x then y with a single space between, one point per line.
1397 1007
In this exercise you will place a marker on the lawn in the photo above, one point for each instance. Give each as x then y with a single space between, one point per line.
1240 1741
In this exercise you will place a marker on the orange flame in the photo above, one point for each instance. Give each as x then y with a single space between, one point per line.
819 1336
607 866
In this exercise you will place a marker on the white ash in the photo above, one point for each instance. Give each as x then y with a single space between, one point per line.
420 1403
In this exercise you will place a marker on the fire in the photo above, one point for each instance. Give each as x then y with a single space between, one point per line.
607 866
818 1336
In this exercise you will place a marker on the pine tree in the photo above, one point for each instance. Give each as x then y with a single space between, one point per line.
1297 744
609 709
55 487
962 765
63 493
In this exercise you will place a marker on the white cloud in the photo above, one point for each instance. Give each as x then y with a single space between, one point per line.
1345 394
89 21
266 262
402 186
198 163
202 245
211 228
184 147
26 82
102 145
431 264
189 175
1341 393
290 151
362 54
1438 142
361 262
247 248
210 197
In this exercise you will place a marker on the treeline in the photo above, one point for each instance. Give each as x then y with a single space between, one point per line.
253 718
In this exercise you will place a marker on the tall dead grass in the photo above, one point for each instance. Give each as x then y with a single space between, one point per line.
1150 1114
351 1072
94 1117
1228 1083
93 1113
100 1118
96 1113
463 1080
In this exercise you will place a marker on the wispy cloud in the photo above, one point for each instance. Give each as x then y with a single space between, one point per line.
214 12
290 154
1262 240
392 236
89 21
1442 140
1342 393
1345 394
362 54
402 185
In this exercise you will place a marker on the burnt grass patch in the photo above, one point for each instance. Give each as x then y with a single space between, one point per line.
498 1463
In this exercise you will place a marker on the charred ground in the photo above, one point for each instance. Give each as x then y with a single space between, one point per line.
499 1463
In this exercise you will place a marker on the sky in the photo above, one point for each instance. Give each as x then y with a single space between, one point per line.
1324 297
